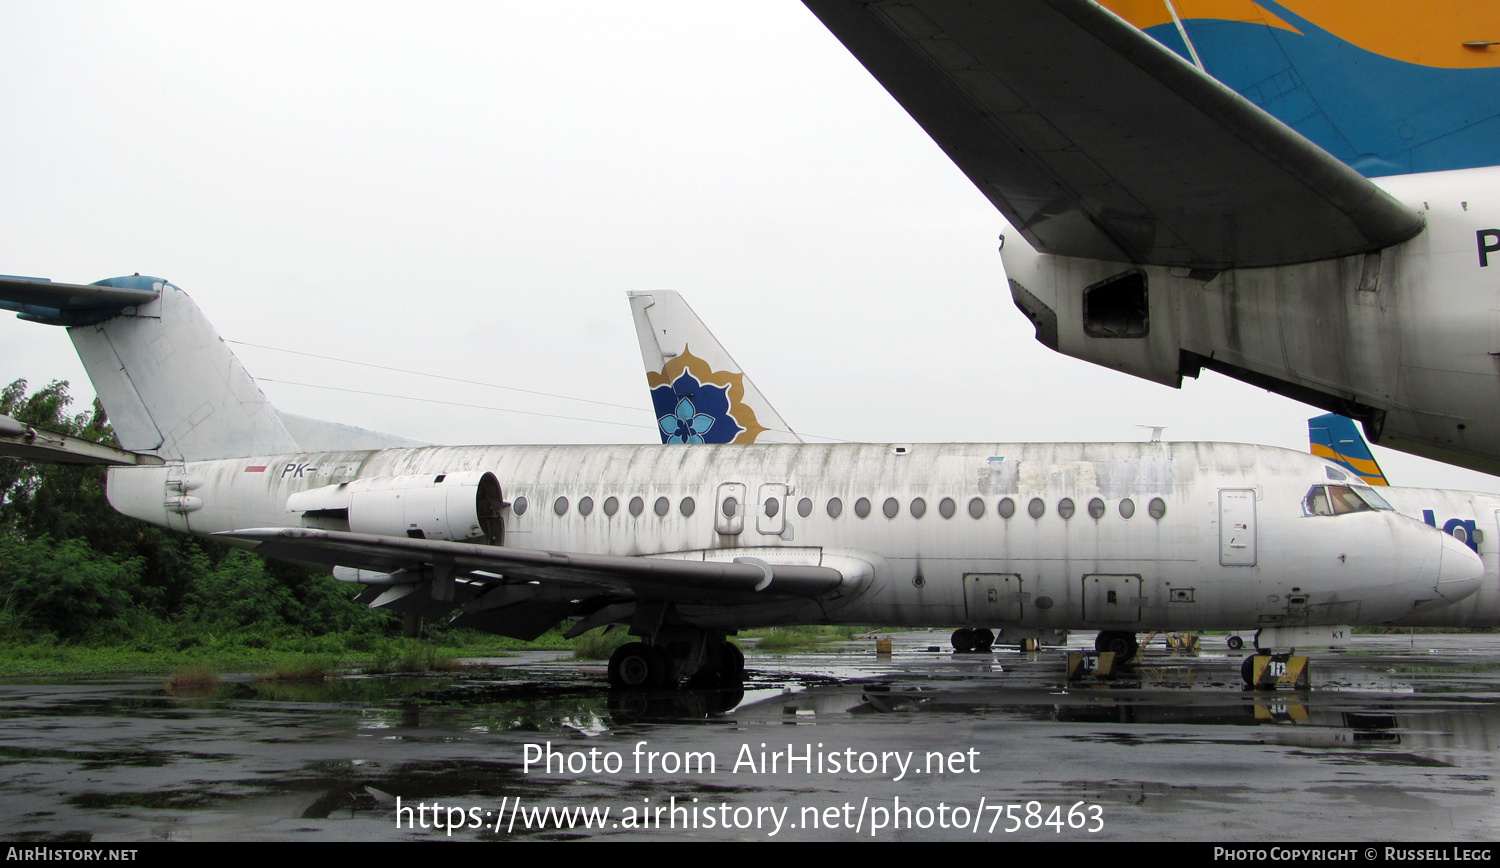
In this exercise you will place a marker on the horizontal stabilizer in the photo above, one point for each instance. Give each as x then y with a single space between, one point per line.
1096 141
67 304
19 440
669 579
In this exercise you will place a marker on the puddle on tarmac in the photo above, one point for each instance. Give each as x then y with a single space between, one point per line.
1406 736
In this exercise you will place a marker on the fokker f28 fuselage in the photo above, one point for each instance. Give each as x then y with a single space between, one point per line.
1124 536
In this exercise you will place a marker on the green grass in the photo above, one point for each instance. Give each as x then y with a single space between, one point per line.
195 679
794 638
598 645
412 656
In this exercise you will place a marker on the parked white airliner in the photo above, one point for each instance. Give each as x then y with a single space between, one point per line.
684 545
1472 517
669 332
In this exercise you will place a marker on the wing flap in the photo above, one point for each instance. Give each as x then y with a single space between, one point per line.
1096 141
671 579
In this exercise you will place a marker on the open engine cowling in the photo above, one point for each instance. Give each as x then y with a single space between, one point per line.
444 506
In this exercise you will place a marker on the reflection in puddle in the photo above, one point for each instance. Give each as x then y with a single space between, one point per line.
1177 740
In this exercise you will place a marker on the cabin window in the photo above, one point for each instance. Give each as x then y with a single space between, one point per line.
637 506
611 505
891 507
835 507
804 507
918 507
560 506
1007 508
1036 508
687 506
1157 508
519 506
585 505
773 506
1065 508
946 507
1127 508
663 506
1096 508
862 507
729 507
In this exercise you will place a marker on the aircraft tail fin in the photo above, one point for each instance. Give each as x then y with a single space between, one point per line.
170 384
698 392
1337 439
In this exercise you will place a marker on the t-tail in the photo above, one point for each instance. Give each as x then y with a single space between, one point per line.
1337 439
169 383
698 391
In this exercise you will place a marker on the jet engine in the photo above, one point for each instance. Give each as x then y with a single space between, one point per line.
445 506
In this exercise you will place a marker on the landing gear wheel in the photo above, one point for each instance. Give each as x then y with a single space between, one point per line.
963 640
734 662
984 639
1123 644
637 666
1247 672
1235 643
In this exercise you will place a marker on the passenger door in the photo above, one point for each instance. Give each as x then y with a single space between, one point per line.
1237 527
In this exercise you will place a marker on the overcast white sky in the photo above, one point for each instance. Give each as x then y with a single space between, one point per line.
471 188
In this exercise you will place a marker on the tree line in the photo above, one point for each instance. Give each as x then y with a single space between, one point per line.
73 570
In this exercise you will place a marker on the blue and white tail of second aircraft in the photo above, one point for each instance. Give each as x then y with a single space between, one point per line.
1337 439
698 391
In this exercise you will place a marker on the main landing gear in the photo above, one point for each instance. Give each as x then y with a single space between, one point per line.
971 640
703 657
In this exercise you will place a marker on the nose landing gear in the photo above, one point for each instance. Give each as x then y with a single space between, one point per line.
1121 642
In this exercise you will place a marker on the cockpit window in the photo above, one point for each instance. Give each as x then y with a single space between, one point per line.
1345 499
1341 499
1316 501
1374 499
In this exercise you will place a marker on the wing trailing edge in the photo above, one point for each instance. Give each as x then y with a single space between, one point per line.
686 578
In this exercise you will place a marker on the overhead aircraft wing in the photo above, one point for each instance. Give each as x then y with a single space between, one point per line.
667 579
1096 141
68 304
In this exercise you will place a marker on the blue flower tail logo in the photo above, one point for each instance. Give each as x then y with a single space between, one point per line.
686 424
695 404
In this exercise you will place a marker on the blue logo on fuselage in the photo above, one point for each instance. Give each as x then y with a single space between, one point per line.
1452 525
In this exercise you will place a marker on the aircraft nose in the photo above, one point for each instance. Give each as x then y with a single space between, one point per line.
1460 571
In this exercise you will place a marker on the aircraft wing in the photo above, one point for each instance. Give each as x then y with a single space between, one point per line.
667 579
1096 141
